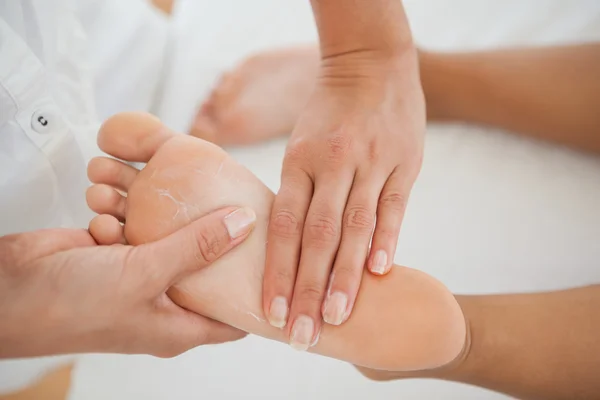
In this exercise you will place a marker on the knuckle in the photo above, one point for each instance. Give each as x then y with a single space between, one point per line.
418 163
374 153
297 152
285 224
338 147
410 166
393 199
322 229
348 271
310 292
359 218
387 234
282 276
209 244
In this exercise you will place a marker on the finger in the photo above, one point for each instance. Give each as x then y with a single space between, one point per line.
178 330
320 241
284 241
107 230
195 246
111 172
390 212
357 229
380 376
103 199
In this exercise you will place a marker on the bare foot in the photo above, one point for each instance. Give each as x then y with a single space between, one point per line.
260 99
405 321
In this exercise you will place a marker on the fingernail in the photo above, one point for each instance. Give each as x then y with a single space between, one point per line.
379 262
302 333
278 312
239 222
335 308
317 337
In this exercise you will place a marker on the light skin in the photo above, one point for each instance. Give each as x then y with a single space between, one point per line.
325 211
539 346
350 164
533 346
371 65
62 293
184 178
515 89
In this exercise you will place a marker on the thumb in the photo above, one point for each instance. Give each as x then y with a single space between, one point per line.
198 244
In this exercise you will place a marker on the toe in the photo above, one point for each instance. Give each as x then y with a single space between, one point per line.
111 172
204 126
133 136
107 230
227 85
104 199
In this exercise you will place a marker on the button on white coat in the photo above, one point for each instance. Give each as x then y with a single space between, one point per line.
43 121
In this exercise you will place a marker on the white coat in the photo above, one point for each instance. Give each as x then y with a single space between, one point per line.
61 74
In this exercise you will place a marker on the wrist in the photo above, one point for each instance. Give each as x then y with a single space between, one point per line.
377 27
35 335
367 70
31 323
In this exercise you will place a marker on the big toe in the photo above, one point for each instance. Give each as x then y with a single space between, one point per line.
133 136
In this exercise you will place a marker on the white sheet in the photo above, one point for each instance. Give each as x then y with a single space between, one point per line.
490 212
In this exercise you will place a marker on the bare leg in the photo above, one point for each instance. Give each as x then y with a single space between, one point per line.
549 93
404 321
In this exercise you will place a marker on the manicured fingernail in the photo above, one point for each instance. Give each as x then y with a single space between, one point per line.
335 308
278 312
379 263
239 222
317 337
302 333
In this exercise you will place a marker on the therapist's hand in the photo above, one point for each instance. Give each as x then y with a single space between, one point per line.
62 293
347 175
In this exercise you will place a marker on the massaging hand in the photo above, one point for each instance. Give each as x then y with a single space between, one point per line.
352 157
62 293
